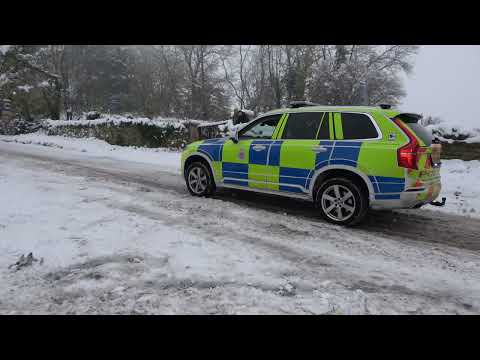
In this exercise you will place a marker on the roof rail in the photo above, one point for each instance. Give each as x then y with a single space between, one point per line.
298 104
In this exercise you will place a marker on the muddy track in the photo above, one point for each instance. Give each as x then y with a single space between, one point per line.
406 225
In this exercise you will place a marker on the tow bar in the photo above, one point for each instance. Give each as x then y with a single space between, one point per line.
438 203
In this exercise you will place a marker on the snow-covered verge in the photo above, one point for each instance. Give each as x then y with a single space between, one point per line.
459 183
117 247
90 147
461 187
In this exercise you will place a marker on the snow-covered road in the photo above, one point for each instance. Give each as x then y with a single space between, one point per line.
123 236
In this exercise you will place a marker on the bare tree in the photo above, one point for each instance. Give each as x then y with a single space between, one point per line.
199 81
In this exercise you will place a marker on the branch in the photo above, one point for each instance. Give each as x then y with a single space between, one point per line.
21 58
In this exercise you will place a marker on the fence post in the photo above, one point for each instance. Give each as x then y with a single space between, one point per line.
6 117
193 132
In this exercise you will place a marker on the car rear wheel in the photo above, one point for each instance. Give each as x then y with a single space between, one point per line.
341 201
199 179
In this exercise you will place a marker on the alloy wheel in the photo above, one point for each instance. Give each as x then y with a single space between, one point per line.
197 180
338 203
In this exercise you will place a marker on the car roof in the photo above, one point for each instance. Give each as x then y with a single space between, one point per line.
365 109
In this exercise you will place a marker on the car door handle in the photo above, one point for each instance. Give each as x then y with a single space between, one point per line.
259 147
319 149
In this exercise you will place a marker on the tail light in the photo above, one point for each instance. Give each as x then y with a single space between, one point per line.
407 155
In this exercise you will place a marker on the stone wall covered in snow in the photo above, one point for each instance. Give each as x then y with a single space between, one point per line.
451 133
128 131
458 142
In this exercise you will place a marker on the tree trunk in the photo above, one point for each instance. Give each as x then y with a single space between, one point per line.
57 101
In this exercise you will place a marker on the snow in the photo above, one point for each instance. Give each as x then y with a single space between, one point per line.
453 132
118 120
474 139
25 88
249 113
112 246
101 256
3 79
461 188
229 128
463 197
91 147
213 123
4 49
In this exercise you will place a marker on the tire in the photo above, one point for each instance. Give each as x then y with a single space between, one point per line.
202 171
352 201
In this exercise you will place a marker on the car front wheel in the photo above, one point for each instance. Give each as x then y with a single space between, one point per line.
199 179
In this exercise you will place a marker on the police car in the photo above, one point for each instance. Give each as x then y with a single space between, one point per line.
344 159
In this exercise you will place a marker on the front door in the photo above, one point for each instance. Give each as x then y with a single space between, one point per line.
246 163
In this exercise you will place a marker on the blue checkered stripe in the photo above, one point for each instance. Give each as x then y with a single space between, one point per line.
387 188
338 153
346 153
292 179
212 148
237 174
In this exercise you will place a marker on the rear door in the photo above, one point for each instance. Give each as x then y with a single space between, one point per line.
299 149
246 163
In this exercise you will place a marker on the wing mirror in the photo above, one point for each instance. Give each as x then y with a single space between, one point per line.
234 136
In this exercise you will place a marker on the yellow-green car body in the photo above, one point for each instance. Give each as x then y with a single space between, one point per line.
291 151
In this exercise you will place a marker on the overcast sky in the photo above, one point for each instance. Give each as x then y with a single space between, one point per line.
446 82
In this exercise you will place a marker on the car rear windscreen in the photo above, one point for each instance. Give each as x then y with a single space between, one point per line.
421 132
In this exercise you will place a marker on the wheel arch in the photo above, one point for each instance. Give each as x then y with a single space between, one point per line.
198 156
339 170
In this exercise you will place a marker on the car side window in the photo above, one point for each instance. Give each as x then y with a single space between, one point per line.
358 126
324 132
302 125
262 129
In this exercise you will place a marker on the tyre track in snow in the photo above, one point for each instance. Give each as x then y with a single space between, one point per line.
403 225
313 266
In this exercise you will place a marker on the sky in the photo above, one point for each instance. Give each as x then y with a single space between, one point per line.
445 82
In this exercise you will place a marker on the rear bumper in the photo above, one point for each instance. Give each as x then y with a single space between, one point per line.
411 198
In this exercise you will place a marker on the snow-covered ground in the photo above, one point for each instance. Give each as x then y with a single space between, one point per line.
461 187
91 147
111 244
459 184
